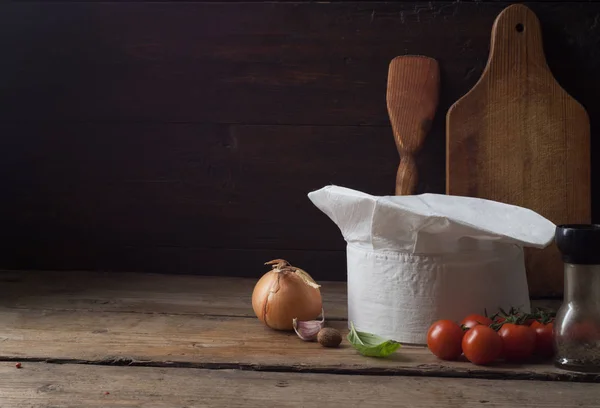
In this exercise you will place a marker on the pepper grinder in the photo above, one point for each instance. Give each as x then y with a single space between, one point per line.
577 323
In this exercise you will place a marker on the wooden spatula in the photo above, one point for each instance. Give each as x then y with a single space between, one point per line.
412 99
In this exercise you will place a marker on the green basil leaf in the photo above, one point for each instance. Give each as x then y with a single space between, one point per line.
371 345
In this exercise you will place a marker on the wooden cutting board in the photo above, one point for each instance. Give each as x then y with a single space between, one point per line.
518 137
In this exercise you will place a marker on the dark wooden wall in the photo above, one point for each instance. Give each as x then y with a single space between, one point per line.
183 137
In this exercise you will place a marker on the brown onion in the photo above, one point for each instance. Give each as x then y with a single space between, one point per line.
284 294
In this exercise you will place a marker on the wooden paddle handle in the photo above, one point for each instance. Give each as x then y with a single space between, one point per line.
407 175
516 45
412 98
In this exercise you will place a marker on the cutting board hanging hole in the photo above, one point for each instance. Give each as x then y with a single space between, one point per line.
520 28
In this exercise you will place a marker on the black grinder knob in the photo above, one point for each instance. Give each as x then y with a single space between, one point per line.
579 243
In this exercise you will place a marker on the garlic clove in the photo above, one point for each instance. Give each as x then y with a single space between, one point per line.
308 330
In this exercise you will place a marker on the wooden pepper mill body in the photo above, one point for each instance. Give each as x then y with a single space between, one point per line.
412 99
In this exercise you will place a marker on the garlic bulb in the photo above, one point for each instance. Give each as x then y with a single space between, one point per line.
286 293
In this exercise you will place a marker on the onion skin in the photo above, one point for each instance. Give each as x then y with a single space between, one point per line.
280 296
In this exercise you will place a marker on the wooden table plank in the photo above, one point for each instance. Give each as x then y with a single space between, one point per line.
144 293
69 386
219 342
190 321
150 293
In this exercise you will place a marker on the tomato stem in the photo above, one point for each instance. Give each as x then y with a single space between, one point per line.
515 316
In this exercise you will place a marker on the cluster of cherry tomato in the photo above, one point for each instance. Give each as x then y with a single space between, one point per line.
512 336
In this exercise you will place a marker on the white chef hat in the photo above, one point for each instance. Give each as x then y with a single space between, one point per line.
415 259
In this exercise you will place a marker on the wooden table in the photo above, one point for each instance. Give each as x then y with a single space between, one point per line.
154 341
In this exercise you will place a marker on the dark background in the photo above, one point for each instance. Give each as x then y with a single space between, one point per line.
183 137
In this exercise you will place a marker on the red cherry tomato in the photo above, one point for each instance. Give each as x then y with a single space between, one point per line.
444 339
544 339
518 341
529 322
481 345
475 319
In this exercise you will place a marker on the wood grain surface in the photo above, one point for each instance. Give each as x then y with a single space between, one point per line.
144 293
163 149
152 293
201 322
74 386
260 62
211 186
518 137
217 342
412 97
